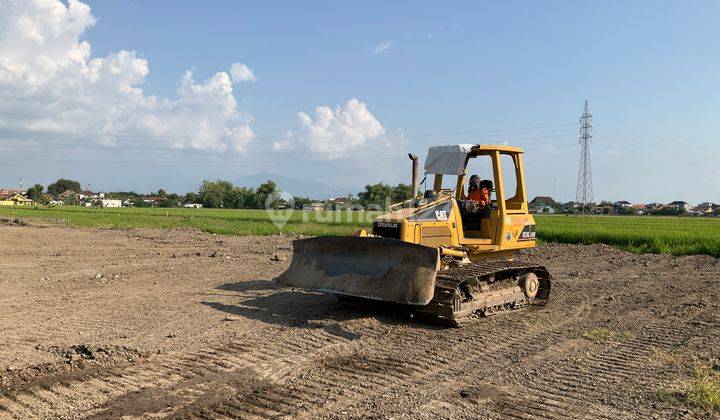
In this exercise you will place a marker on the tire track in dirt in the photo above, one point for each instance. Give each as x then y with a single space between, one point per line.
604 369
342 380
267 356
467 362
558 388
274 360
477 360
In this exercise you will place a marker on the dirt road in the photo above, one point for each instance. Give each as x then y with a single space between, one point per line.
100 323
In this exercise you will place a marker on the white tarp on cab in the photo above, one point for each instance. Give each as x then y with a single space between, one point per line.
448 160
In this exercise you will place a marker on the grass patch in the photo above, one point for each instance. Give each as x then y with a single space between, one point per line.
703 391
660 357
605 334
639 234
221 221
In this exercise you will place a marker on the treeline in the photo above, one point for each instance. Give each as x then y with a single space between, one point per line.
223 194
383 195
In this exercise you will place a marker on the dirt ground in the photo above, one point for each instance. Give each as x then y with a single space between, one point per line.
141 323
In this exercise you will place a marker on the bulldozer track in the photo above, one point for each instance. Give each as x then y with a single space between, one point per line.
455 304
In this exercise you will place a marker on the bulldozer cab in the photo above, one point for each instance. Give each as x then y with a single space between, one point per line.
495 225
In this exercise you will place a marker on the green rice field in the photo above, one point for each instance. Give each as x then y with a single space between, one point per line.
639 234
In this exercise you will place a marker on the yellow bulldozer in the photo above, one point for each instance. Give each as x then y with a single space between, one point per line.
440 253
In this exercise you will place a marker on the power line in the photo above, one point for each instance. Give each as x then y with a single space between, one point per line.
672 141
263 150
119 135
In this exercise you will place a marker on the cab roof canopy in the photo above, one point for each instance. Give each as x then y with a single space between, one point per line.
450 160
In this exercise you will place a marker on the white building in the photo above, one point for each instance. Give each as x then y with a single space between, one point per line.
193 205
111 203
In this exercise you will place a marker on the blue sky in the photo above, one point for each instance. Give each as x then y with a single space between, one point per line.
460 73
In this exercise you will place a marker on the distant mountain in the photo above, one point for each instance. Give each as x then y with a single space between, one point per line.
295 186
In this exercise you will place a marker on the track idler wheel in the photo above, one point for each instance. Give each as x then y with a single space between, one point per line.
530 285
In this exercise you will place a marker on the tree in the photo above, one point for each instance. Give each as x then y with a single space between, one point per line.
667 211
242 198
265 190
35 192
401 193
139 202
170 202
45 199
191 197
301 202
62 185
215 194
161 193
71 200
122 195
378 195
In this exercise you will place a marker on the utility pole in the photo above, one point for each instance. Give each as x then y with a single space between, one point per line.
584 194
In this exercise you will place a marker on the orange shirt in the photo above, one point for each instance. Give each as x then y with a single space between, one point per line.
482 196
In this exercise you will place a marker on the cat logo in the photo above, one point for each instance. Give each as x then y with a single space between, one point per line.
441 214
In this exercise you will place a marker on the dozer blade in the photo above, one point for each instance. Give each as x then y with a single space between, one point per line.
374 268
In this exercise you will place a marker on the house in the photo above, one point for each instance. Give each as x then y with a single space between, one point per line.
544 201
110 203
338 203
543 209
15 200
316 206
153 200
543 204
640 208
68 195
193 205
622 207
678 205
10 192
282 204
569 207
706 208
89 195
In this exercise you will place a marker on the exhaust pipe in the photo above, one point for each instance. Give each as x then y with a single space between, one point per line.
414 159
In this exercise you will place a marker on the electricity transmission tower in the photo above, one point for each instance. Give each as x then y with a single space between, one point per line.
584 194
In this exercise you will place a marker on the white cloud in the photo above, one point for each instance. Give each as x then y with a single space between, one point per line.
383 46
333 133
50 82
241 73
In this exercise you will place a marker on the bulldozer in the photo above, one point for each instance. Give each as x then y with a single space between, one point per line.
440 254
